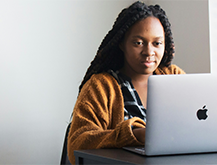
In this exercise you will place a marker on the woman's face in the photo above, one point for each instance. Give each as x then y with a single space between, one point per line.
143 46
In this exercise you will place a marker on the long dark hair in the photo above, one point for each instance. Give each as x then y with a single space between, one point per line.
109 55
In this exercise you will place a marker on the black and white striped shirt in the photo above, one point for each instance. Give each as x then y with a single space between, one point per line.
132 104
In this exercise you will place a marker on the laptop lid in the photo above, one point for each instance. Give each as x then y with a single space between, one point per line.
181 114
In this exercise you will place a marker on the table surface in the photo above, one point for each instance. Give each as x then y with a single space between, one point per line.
120 156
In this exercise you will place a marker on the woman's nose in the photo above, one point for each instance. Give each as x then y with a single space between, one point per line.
148 50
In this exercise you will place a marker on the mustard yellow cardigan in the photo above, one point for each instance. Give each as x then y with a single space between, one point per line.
98 115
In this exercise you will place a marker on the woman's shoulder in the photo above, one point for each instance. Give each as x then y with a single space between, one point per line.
172 69
101 81
101 87
103 78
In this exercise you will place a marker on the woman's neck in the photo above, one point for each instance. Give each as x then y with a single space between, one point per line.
140 83
136 77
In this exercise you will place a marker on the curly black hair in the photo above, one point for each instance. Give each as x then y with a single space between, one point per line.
109 55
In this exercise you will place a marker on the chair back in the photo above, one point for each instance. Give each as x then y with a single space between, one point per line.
64 157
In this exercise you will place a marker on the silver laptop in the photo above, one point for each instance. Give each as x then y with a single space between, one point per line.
181 115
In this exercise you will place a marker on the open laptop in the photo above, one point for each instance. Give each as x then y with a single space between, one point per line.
181 115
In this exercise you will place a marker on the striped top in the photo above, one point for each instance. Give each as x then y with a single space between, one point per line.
132 104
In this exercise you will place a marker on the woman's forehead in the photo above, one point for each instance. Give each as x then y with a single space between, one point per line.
148 26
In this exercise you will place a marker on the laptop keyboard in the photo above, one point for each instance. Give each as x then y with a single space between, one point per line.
140 149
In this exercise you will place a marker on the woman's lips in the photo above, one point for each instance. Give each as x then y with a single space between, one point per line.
149 61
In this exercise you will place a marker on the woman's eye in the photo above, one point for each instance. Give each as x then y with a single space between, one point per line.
158 43
138 43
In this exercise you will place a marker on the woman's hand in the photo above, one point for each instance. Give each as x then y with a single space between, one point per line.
139 133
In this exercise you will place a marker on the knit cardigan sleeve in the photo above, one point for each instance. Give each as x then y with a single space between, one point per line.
98 117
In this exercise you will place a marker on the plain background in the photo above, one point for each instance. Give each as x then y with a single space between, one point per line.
45 49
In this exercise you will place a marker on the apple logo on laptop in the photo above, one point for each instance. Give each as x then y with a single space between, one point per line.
201 113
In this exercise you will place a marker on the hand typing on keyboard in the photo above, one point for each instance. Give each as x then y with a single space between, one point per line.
139 133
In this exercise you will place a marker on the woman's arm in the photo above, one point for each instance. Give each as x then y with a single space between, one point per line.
98 118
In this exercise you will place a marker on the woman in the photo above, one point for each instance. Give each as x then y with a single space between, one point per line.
110 111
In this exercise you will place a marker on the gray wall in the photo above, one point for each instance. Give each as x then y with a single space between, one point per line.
45 48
